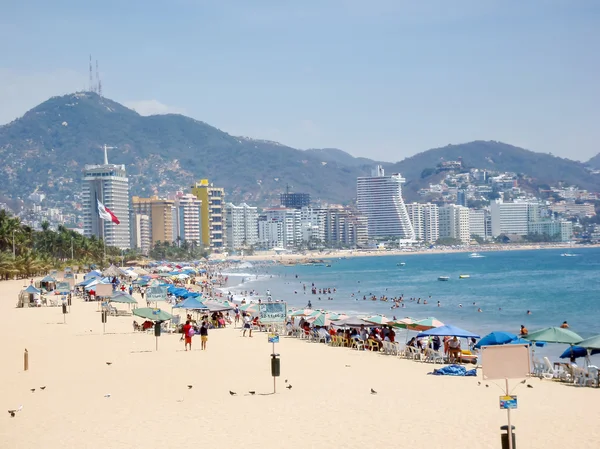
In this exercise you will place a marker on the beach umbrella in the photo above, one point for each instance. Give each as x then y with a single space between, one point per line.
140 271
577 351
301 312
214 306
191 303
378 319
152 314
496 338
251 308
324 319
426 324
554 335
403 323
31 289
590 343
111 271
123 298
447 331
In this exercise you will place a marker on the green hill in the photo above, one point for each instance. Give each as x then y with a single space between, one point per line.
48 147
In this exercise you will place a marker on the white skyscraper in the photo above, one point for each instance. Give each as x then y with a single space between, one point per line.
379 198
187 218
478 219
512 218
108 184
425 221
242 225
454 222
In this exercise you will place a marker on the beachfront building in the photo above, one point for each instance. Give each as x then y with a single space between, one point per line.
379 198
242 225
512 218
287 234
294 200
212 214
107 183
161 217
141 237
343 227
454 223
187 218
479 223
557 230
425 221
573 209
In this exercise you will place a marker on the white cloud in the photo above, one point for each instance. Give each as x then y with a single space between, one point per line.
153 107
22 90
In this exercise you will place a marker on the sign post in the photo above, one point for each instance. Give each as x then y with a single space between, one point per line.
273 313
155 294
506 362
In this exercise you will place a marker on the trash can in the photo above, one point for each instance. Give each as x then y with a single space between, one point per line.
104 316
69 300
275 365
504 437
157 329
64 307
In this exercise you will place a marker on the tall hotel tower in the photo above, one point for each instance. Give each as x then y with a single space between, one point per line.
379 198
108 184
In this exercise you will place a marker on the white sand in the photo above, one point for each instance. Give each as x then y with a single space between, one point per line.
330 404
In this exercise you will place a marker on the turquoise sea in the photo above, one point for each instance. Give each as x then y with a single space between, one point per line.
505 285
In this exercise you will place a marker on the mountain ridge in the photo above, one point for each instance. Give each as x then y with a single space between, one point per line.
49 145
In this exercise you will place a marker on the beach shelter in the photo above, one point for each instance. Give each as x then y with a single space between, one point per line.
214 306
403 323
92 274
111 271
190 304
496 338
152 314
353 321
378 319
300 312
426 324
32 290
447 331
554 335
590 343
123 298
250 307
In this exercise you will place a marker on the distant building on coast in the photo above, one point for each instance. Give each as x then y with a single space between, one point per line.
379 198
425 221
242 225
107 183
212 213
160 214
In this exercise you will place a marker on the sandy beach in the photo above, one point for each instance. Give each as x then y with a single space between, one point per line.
330 404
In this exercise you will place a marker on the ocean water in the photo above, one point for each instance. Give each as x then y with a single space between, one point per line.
505 285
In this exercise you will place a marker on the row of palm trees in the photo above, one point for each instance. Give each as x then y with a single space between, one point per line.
25 252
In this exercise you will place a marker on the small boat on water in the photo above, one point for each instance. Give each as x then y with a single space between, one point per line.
475 256
400 264
464 276
568 255
444 278
328 265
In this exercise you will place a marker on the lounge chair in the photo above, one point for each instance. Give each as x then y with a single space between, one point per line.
548 372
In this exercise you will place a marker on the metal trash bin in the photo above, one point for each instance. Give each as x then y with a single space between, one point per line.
157 329
504 437
64 307
275 365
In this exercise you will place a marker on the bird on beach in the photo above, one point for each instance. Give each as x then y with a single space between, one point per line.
190 387
373 391
524 381
109 363
42 388
347 366
33 390
529 386
286 381
478 384
232 393
252 392
289 387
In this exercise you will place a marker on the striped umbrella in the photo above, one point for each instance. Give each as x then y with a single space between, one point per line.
378 319
403 323
425 325
301 312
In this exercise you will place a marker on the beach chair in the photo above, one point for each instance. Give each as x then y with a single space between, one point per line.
372 345
538 368
357 344
434 356
548 371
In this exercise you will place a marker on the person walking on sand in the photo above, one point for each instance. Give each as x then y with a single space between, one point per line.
204 334
188 332
247 325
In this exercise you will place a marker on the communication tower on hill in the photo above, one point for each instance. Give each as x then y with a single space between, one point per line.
97 86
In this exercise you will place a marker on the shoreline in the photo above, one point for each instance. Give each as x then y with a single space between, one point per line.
335 254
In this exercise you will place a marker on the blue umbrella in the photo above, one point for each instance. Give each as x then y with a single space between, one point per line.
522 341
577 351
496 338
448 331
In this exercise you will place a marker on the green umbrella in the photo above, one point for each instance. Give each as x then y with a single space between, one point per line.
554 335
325 318
152 314
301 312
403 323
122 297
590 343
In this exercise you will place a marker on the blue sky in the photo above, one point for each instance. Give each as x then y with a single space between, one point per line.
380 78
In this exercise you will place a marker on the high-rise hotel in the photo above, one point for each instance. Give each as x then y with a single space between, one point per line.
379 198
107 183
